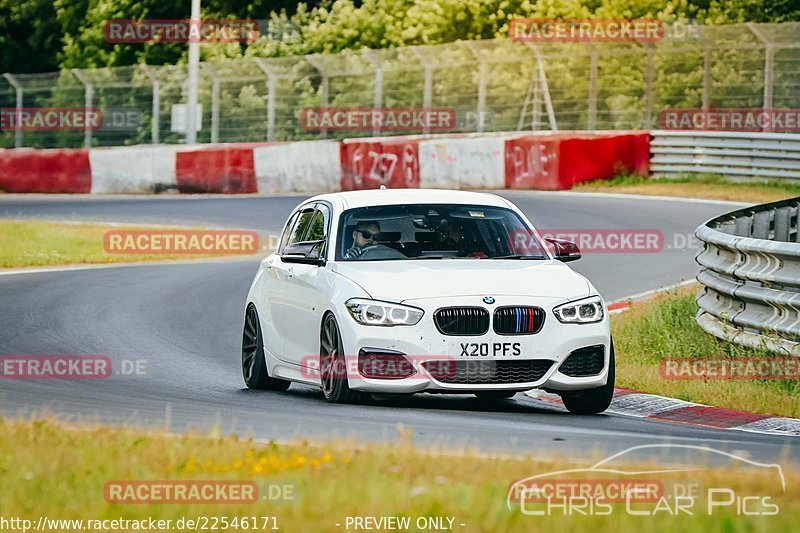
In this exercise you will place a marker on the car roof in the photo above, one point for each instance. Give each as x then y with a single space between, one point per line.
352 199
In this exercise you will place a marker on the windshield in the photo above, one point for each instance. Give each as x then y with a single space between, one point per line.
435 231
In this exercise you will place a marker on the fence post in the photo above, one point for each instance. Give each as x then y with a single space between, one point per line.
648 88
482 80
591 120
324 85
377 101
214 101
707 60
769 66
19 93
155 123
272 79
88 97
427 91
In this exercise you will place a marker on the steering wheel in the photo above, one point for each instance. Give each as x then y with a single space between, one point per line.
380 251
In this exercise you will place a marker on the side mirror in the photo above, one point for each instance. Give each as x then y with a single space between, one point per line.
307 253
565 251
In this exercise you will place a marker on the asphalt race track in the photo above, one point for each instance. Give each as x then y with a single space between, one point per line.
184 320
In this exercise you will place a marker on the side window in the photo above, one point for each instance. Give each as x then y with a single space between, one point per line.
286 232
319 224
301 227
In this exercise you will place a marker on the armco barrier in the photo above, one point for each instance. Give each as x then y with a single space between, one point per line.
736 154
557 162
48 171
750 271
368 164
309 166
225 169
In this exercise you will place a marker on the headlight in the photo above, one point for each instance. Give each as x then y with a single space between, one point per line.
583 311
375 313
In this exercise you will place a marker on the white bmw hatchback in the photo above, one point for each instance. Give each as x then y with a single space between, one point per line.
410 290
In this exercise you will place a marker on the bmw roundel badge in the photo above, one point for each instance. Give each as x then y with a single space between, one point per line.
488 300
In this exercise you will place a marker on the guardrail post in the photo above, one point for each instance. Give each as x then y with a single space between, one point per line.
88 97
782 216
761 225
19 94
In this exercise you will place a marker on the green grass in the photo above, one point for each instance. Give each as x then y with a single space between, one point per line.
49 470
38 243
697 186
665 328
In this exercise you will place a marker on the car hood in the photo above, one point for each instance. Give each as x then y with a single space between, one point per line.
397 281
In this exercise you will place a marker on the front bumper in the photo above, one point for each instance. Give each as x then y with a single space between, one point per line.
423 343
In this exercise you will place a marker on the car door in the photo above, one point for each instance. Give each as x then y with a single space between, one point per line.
268 297
305 296
282 273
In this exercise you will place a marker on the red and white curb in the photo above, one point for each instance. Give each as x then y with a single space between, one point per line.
650 406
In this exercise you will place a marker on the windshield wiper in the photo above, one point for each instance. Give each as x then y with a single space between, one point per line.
427 257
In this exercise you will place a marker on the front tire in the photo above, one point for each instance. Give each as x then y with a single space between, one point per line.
254 366
333 365
593 401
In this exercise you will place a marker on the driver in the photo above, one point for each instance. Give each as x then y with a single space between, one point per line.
365 234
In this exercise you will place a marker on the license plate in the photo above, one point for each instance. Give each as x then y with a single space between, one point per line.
492 349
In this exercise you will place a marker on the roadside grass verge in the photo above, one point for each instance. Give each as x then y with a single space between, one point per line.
49 470
32 243
665 327
706 186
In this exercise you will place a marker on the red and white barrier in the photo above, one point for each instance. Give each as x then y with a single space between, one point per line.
308 166
133 169
462 163
48 171
550 161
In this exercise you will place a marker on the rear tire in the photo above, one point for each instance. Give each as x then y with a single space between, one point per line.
333 365
593 401
493 395
254 366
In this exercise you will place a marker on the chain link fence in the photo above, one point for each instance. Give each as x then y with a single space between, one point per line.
492 85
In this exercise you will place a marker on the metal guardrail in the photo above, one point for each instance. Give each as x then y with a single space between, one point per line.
734 154
751 276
